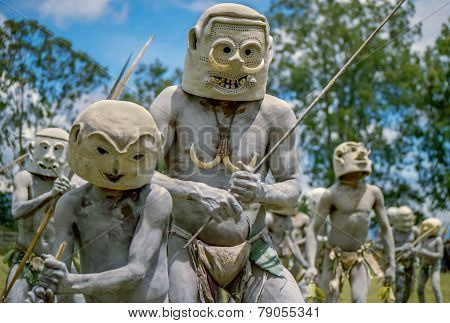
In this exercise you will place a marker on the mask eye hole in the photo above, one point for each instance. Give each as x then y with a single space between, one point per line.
353 149
138 157
226 50
248 52
102 151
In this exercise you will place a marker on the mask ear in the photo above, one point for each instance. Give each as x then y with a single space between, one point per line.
192 39
31 148
75 133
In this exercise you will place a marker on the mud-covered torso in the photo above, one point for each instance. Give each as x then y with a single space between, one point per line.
430 244
28 226
196 123
106 226
350 216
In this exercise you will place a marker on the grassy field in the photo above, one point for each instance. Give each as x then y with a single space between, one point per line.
345 297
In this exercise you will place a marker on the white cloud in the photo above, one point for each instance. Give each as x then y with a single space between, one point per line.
390 135
431 27
64 11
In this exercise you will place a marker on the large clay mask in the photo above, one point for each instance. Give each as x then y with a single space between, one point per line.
351 157
114 145
47 153
404 219
229 54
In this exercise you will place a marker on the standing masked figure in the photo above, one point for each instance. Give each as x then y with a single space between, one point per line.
216 126
118 218
431 251
404 234
348 203
34 190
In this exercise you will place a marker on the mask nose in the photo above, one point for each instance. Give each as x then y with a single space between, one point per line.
361 154
236 61
49 157
115 170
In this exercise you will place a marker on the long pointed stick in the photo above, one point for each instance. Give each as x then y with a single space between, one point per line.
313 103
122 83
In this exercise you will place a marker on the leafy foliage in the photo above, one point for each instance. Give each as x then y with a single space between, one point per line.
391 99
42 78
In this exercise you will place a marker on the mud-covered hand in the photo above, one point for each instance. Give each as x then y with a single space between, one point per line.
218 203
40 295
247 186
61 185
310 274
54 275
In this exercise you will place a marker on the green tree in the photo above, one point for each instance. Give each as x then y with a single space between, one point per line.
42 78
432 134
374 102
149 80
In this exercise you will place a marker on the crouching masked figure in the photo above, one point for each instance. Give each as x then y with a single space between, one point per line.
216 126
118 218
35 189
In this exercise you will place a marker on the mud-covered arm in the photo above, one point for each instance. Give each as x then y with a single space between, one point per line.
22 207
284 164
385 228
438 254
145 246
317 222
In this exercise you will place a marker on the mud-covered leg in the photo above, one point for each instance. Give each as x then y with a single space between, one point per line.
275 289
360 282
422 281
436 282
18 292
183 280
409 276
331 296
400 277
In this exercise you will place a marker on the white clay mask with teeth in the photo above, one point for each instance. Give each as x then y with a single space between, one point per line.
228 57
47 153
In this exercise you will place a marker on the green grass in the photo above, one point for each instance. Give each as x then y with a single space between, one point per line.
3 274
345 296
376 287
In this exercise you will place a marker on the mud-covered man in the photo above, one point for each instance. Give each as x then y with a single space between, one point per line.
216 126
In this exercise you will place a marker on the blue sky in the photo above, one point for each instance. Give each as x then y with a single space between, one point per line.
108 30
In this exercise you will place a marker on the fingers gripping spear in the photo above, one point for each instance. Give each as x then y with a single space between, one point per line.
313 103
114 94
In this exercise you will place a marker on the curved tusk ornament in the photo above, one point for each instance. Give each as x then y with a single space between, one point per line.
216 161
200 164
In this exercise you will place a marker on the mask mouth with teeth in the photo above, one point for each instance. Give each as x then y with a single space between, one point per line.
114 145
47 153
229 53
351 157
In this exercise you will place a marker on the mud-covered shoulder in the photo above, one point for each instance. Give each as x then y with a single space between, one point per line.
23 176
72 199
159 201
375 190
277 111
